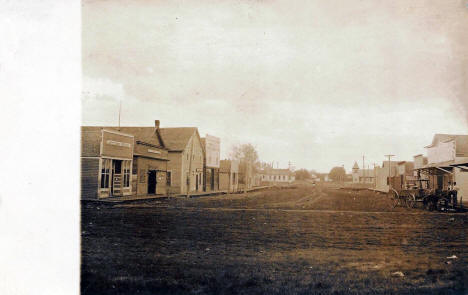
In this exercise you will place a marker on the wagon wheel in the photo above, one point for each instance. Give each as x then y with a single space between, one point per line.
394 198
410 200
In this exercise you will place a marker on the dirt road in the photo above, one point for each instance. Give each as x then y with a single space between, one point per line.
296 241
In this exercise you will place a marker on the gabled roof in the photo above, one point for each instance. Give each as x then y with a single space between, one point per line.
147 135
355 166
176 139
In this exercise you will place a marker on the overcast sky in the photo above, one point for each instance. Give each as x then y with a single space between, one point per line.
318 83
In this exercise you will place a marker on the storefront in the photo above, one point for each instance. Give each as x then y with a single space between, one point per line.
150 166
106 163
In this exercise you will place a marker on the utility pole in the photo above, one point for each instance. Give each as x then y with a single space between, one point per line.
389 169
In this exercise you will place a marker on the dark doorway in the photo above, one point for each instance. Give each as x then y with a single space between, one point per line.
116 184
118 166
196 182
152 182
440 181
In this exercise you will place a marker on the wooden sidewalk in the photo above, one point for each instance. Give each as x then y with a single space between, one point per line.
127 199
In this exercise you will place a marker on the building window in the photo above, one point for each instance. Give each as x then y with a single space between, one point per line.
127 167
106 163
168 178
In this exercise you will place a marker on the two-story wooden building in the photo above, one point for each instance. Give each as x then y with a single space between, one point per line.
150 161
211 146
185 167
123 161
443 154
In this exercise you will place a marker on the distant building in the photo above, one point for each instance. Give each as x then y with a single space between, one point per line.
382 174
276 176
211 145
404 178
229 175
362 175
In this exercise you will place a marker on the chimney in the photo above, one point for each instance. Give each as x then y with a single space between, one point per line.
156 124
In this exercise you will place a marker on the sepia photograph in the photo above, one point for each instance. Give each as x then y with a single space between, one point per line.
234 147
274 147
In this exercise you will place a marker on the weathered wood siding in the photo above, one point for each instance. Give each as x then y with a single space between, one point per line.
175 167
91 143
143 166
89 178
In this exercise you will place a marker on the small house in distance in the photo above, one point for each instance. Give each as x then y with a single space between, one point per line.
269 176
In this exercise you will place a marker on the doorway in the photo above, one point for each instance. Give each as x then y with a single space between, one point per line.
196 182
440 182
116 177
152 181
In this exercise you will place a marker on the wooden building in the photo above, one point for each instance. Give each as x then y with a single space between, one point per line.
443 156
185 166
106 163
229 175
211 146
141 171
384 175
150 161
271 176
362 175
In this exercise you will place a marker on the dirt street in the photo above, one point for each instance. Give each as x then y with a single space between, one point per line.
301 240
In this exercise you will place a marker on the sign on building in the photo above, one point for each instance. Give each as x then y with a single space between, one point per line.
212 151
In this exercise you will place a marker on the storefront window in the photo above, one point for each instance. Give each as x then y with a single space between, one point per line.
105 173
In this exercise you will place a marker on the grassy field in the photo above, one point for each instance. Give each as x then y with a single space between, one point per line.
282 241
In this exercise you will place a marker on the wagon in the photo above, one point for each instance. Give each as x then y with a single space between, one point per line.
407 198
440 200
